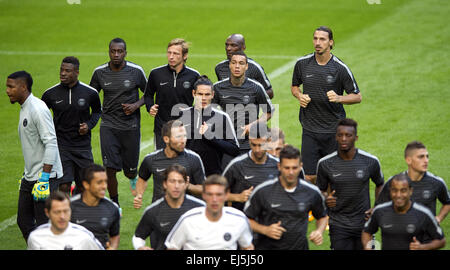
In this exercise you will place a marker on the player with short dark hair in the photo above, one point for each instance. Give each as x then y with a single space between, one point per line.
278 209
404 224
210 131
427 187
169 88
76 110
92 210
247 171
162 215
120 133
343 177
324 78
214 226
242 99
174 135
60 233
40 152
234 43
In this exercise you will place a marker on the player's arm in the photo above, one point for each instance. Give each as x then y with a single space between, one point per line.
141 186
348 83
149 95
197 178
344 99
274 231
316 236
434 244
113 243
365 239
445 209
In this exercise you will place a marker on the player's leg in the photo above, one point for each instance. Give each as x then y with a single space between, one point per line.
328 144
25 209
130 145
342 239
82 160
68 171
110 147
310 155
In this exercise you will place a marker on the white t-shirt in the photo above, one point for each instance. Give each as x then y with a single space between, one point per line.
74 237
194 231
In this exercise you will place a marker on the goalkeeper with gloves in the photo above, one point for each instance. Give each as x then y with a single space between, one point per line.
40 152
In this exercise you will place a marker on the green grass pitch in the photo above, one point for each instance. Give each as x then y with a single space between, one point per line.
397 50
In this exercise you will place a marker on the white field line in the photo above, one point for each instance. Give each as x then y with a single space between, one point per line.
8 222
149 55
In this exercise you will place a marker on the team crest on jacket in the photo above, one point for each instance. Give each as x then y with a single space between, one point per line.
186 84
227 236
81 102
330 79
359 174
25 122
410 228
104 221
126 83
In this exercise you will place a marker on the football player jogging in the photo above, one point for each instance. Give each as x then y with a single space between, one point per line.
169 88
40 152
234 43
160 217
427 188
93 211
214 226
155 163
120 133
404 224
242 99
210 131
343 177
278 209
76 110
60 233
247 171
324 78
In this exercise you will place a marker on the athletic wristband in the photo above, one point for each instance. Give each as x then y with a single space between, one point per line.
45 177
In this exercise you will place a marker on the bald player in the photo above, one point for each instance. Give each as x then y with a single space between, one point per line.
234 43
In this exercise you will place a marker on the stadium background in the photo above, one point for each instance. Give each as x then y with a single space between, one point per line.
397 50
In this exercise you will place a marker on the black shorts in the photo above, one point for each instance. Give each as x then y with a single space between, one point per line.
345 239
120 149
314 147
73 162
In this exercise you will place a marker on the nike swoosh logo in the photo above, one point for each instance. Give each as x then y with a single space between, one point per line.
273 205
160 170
164 224
226 96
309 76
248 177
59 101
81 221
387 226
163 83
108 83
336 175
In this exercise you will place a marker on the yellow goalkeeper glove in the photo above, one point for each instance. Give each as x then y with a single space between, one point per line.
41 189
